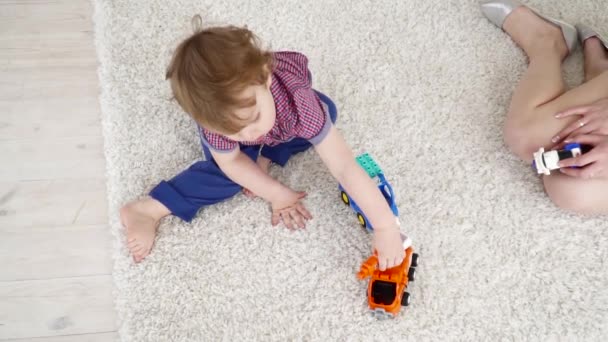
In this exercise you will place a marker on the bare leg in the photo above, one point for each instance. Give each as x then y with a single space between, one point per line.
545 46
141 219
541 94
582 196
596 58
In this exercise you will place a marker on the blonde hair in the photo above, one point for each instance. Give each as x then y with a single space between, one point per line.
211 68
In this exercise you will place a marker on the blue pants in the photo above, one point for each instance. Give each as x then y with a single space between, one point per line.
204 183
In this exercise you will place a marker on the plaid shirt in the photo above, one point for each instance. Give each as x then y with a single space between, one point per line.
300 113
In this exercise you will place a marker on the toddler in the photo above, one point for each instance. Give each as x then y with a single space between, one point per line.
253 108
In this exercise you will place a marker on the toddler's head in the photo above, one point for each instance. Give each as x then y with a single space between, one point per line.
221 77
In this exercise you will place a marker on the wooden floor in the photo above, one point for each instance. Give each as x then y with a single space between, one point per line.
55 266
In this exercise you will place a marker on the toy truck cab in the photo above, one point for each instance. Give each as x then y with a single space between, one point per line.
373 170
547 161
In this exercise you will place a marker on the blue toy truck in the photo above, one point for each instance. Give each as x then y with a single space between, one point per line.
373 170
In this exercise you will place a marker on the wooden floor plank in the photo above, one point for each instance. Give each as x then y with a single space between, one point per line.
42 83
51 203
58 252
101 337
60 158
53 118
55 307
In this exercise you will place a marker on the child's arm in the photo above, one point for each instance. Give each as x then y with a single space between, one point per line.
338 157
285 202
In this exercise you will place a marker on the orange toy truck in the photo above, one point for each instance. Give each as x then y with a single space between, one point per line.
387 290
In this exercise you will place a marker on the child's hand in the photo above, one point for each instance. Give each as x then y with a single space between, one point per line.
289 209
387 243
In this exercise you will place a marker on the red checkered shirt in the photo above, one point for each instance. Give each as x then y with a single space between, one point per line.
300 112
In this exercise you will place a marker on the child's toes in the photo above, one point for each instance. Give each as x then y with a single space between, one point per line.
132 245
138 255
141 255
138 250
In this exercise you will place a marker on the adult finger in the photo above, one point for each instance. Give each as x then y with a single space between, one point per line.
571 129
581 160
582 110
586 129
586 172
589 139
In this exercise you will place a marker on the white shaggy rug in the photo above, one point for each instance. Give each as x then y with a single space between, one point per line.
421 85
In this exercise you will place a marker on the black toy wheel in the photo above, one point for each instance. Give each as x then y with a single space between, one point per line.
345 198
362 221
411 274
405 300
414 260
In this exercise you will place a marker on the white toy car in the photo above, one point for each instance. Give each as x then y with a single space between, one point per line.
546 161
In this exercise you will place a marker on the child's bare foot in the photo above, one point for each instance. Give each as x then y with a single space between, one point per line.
141 219
596 58
264 164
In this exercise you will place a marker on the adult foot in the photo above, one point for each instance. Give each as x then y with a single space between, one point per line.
534 34
141 219
596 57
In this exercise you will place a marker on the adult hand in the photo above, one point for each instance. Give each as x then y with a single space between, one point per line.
593 120
591 164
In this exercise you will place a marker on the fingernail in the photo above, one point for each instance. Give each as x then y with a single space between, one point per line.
555 138
568 140
558 115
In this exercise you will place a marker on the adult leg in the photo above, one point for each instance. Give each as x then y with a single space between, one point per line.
527 127
540 95
596 58
586 196
530 122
